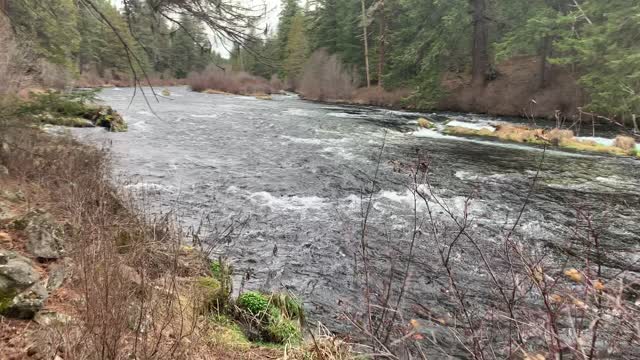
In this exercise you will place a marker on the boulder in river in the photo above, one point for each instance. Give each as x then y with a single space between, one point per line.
45 239
106 117
21 293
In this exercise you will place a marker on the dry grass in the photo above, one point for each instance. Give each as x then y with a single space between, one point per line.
558 135
232 82
126 291
625 143
518 133
592 146
624 146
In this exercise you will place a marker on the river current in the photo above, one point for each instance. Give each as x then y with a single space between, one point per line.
295 172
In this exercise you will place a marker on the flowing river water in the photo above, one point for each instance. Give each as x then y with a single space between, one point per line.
296 172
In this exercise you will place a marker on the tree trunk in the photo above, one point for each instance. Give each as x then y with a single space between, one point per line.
366 43
545 52
480 51
381 46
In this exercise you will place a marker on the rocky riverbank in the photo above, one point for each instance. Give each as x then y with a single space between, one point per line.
84 271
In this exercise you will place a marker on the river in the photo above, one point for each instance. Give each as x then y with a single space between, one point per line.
296 171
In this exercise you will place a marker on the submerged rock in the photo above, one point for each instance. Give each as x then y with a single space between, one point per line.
45 239
21 293
4 171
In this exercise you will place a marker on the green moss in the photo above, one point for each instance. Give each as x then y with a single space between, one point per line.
254 302
283 332
6 300
213 296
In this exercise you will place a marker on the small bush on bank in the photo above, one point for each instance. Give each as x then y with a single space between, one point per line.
273 316
255 303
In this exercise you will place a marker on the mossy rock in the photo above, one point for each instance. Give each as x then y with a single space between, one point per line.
275 316
106 117
213 296
283 332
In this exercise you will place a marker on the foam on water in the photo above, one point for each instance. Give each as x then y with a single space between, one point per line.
149 188
429 133
598 140
480 125
348 115
315 141
209 116
300 112
297 203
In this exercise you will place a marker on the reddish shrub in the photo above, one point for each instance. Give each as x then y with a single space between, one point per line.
229 81
326 78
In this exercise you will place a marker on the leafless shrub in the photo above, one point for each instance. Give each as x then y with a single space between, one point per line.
503 297
276 83
228 81
326 78
52 76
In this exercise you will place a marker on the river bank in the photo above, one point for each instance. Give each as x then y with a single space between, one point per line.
286 177
85 269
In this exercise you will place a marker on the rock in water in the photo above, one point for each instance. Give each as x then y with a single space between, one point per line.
4 172
45 239
21 293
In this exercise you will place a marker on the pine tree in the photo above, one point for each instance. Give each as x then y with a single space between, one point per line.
290 9
297 48
51 28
